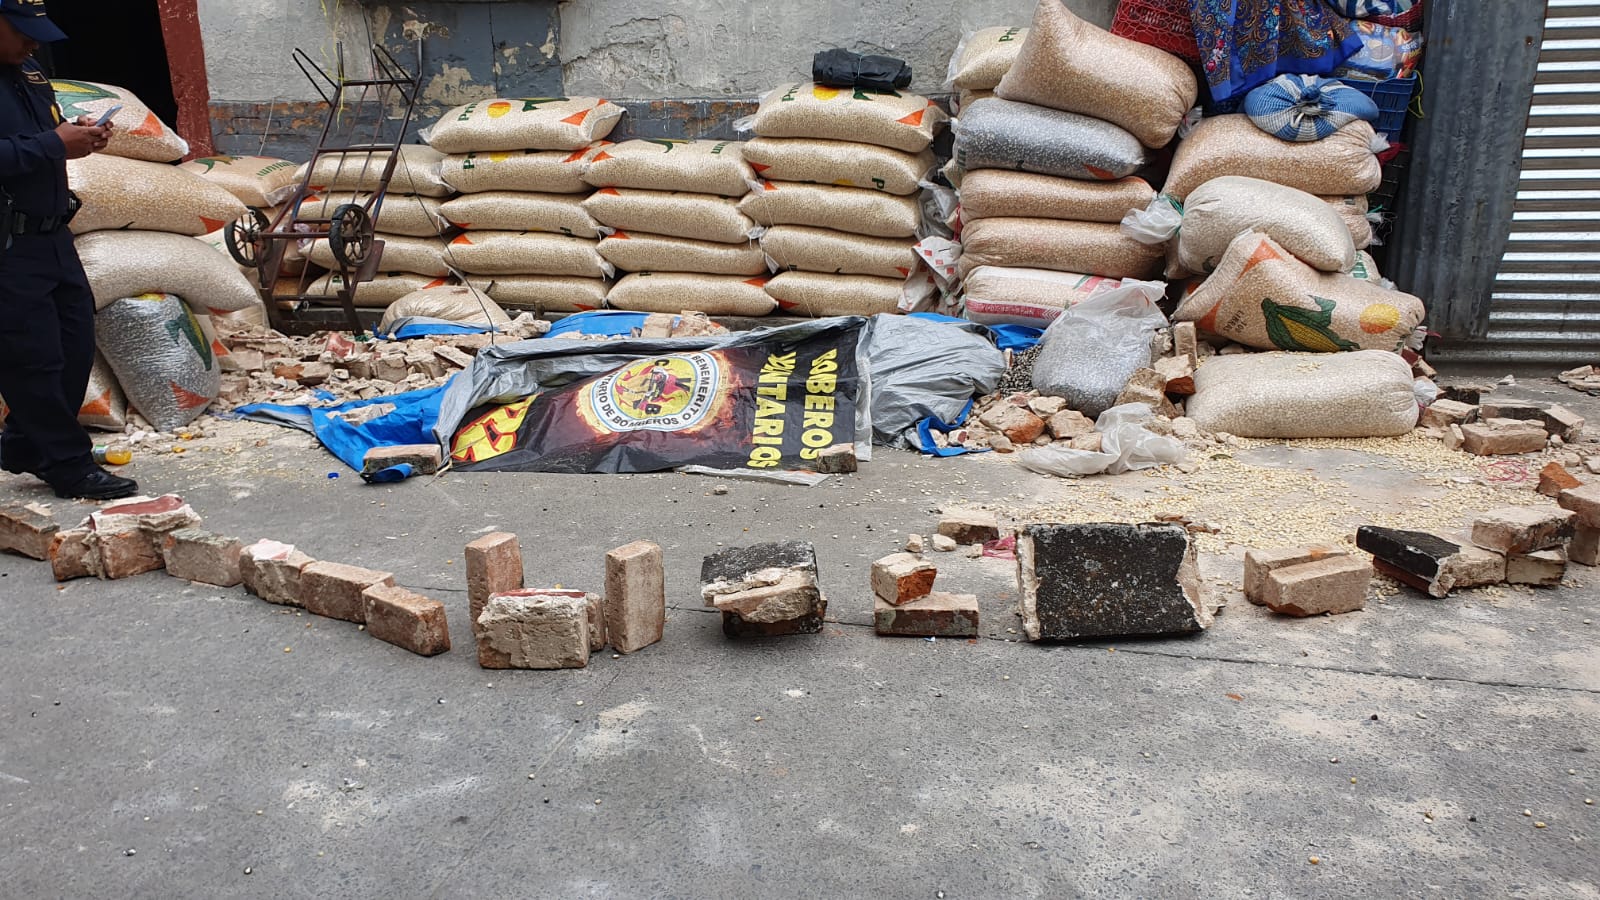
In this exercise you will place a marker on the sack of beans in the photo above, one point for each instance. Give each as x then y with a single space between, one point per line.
133 194
518 211
889 119
1341 164
1033 297
659 164
1224 208
105 407
638 252
164 362
534 123
815 294
841 163
400 213
129 263
1063 246
967 98
1305 395
382 290
1353 212
838 252
139 133
994 193
1262 296
539 171
673 292
453 303
983 57
1000 134
419 256
258 181
853 210
1069 64
526 253
699 217
419 170
547 293
1091 350
1366 269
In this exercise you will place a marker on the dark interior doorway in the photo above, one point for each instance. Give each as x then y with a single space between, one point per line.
123 48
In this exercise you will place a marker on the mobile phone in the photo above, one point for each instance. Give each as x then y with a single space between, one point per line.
105 118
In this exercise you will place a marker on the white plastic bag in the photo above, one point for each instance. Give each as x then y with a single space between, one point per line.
1091 350
1126 446
1156 224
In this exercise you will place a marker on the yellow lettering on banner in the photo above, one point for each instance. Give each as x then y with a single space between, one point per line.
778 391
819 420
771 393
764 457
817 438
819 401
765 408
821 383
823 380
773 427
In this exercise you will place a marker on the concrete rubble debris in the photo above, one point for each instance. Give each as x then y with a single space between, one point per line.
944 543
1333 585
424 459
1149 387
1542 568
26 531
969 527
1178 374
1017 423
1557 420
1470 393
334 590
1108 579
839 459
902 577
914 543
534 628
1503 437
405 619
1523 529
494 566
1554 478
1430 563
1068 424
200 556
636 596
765 589
937 614
1258 564
271 570
1186 341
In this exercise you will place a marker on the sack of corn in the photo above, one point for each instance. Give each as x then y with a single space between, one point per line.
419 256
674 292
996 193
806 249
538 171
1353 212
983 57
852 210
166 365
638 252
105 407
1095 247
660 164
1000 134
547 293
818 295
1341 164
842 163
382 290
1224 208
419 170
129 263
526 253
518 211
1031 297
453 303
890 119
139 133
133 194
1305 395
699 217
1262 296
534 123
400 213
1069 64
258 181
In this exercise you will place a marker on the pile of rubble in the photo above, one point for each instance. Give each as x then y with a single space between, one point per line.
1487 427
1583 378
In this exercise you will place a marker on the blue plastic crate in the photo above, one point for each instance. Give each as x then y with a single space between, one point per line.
1393 98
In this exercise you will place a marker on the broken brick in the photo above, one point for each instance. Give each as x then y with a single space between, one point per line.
970 527
1045 407
1463 392
1186 341
1563 423
1108 579
454 357
938 614
943 543
902 577
72 554
334 589
1444 413
636 596
271 570
26 532
839 459
1147 386
1585 546
1503 437
1523 529
1093 442
1584 501
1068 424
494 566
1427 562
424 459
202 557
1258 564
1542 568
1519 410
596 613
1554 478
534 628
1178 374
765 589
405 619
1333 585
1017 423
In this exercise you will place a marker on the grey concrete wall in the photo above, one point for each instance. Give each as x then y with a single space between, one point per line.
248 44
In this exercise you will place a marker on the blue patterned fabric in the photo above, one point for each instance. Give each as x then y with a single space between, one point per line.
1306 108
1366 9
1245 43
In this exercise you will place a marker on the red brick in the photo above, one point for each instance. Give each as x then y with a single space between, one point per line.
902 577
334 589
1502 437
1523 529
125 553
636 596
494 566
203 557
936 615
1583 500
595 612
534 628
970 527
26 532
72 554
1585 547
1544 568
271 571
1017 423
1334 585
1554 478
424 459
1258 564
1444 413
837 460
406 619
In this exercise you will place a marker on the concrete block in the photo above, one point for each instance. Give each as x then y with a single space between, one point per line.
765 589
1585 547
839 459
271 570
902 577
1444 413
1334 585
335 590
72 554
1543 568
1554 478
425 459
936 615
1487 439
1258 564
534 628
1584 501
636 596
1106 580
26 532
494 566
970 527
200 556
1523 529
406 619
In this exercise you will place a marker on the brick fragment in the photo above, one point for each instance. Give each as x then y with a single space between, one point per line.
914 543
334 589
1178 373
406 619
424 459
1503 437
970 527
1585 547
1108 579
902 577
1554 478
271 570
72 554
1427 562
1334 585
26 532
1045 407
596 613
1523 529
1093 442
1149 387
1519 410
943 543
202 557
765 589
127 534
1563 423
126 553
1017 423
1444 413
494 566
453 357
1454 438
938 614
1543 568
839 459
636 596
1258 564
1583 500
1186 341
1068 424
534 628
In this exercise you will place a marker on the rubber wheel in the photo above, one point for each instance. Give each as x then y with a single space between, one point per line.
243 238
350 235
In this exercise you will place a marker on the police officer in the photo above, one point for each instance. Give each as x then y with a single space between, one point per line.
46 308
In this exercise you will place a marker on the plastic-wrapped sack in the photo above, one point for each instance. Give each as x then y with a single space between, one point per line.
401 214
547 293
842 68
1094 247
1305 395
1261 296
163 360
990 193
419 170
841 163
1224 208
673 292
660 164
984 57
817 295
1342 163
824 250
139 133
1088 354
526 253
129 263
105 407
382 290
1034 298
1307 108
1125 446
853 210
532 123
132 194
540 171
636 252
258 181
903 121
699 217
420 256
1000 134
1069 64
518 211
453 303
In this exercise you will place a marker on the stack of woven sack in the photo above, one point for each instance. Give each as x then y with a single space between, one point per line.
527 241
261 183
840 170
981 60
672 208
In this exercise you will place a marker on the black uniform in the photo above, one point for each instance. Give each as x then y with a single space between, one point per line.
46 308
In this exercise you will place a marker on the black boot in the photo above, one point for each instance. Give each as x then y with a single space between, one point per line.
99 485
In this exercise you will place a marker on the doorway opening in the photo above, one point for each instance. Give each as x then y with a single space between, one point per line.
126 49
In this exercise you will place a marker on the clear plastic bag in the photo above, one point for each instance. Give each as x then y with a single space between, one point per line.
1090 351
1126 446
1155 224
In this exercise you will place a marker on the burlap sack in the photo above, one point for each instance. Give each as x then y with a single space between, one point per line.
162 359
419 170
517 211
1353 213
402 214
983 58
539 171
673 292
1232 145
1261 296
1000 134
378 293
852 210
1094 247
139 133
105 407
1069 64
659 164
805 110
526 253
1224 208
805 249
132 194
129 263
638 252
258 181
816 294
841 163
547 293
536 123
419 256
992 193
699 217
1305 395
454 303
1030 297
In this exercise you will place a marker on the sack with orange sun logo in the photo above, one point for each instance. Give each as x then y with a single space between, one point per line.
131 194
538 171
139 133
524 123
889 119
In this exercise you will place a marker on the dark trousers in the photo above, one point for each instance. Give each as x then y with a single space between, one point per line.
46 351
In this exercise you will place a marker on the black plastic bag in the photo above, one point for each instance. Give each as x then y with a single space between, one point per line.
841 68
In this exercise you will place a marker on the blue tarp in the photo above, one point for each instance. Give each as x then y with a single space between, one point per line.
411 422
601 321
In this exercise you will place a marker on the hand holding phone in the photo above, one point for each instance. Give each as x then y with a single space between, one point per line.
105 118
